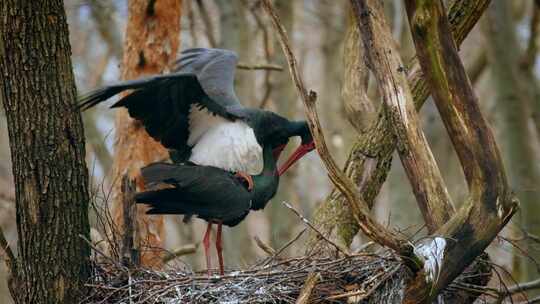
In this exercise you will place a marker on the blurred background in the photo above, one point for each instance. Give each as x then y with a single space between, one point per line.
500 56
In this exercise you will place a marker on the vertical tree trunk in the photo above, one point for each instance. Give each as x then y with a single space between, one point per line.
152 40
47 150
514 93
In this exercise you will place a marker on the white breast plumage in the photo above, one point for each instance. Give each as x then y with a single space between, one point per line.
218 142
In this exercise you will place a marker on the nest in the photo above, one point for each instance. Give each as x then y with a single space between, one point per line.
355 278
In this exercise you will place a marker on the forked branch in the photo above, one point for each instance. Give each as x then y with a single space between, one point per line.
490 204
358 206
416 156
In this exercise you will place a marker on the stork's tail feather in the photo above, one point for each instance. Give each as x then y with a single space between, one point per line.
159 173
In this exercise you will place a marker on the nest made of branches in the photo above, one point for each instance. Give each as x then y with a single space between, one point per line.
359 278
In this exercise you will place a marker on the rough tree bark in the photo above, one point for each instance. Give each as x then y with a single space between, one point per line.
152 41
369 161
47 150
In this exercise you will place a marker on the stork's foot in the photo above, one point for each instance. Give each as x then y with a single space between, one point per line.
245 179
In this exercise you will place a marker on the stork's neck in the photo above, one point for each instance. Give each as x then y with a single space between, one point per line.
266 183
269 163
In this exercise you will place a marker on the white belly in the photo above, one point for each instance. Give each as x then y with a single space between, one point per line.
218 142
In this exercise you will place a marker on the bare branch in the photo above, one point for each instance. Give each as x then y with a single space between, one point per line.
181 251
265 247
339 248
259 66
358 206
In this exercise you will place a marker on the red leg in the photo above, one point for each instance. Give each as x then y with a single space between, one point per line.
219 249
246 177
206 244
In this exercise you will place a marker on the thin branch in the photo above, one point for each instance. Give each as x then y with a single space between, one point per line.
265 247
259 66
339 248
89 243
178 252
358 206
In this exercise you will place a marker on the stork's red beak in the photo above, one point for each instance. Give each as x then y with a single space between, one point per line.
300 151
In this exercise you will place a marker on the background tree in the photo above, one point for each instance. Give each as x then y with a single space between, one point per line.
151 45
47 152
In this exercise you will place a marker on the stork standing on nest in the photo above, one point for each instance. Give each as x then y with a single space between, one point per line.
194 112
216 195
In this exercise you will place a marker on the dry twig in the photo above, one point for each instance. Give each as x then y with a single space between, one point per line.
339 248
259 66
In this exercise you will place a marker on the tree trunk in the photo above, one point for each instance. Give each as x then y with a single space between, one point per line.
47 150
152 40
370 158
514 93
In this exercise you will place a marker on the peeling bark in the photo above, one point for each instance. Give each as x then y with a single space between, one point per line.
47 151
152 41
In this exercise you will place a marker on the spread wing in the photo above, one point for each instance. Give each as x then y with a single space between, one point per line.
203 78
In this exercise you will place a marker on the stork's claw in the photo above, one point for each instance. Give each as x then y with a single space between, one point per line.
244 177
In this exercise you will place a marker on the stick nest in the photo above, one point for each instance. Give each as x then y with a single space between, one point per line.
357 276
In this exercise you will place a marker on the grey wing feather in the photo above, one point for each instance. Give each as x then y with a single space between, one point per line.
215 70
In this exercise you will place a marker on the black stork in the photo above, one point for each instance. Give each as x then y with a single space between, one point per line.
194 112
217 195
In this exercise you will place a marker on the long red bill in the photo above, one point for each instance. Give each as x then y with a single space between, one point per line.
297 154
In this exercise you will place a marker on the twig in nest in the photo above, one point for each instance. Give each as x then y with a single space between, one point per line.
339 248
280 250
310 283
358 206
360 295
120 266
184 250
259 66
265 247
